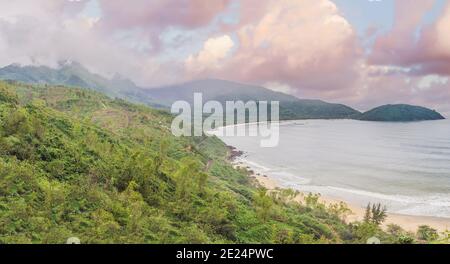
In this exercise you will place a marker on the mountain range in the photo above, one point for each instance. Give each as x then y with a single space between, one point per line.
73 74
219 90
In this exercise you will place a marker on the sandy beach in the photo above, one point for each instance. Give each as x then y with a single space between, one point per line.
407 222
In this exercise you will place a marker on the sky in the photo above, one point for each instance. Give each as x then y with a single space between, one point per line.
362 53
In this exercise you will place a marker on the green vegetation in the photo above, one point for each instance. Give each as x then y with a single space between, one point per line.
73 74
375 214
427 233
400 113
74 162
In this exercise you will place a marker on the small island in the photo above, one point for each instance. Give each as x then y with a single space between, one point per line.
400 113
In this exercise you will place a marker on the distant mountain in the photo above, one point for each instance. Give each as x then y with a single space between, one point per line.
219 90
73 74
400 113
67 73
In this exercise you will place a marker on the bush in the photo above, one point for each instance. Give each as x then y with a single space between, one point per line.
427 233
406 239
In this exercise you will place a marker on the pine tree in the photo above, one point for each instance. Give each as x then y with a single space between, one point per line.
378 214
368 214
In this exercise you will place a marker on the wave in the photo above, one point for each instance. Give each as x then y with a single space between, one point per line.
436 205
360 163
254 165
276 173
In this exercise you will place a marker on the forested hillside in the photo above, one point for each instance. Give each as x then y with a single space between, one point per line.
73 74
75 163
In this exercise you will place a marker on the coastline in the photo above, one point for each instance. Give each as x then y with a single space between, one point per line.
409 223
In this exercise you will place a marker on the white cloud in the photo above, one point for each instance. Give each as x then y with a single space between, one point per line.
305 44
44 32
210 57
429 80
279 87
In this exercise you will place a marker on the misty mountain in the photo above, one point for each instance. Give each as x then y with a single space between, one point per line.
67 74
73 74
219 90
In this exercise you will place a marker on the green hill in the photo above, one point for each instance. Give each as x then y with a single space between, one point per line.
74 74
400 113
75 163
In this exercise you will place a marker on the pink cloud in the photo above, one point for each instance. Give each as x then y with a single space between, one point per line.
160 13
303 47
309 49
154 17
305 44
12 10
430 53
396 90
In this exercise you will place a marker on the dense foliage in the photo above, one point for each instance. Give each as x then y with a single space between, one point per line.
75 163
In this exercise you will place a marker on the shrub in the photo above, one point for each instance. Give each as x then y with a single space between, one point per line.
427 233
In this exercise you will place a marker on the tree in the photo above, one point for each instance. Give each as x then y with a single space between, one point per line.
263 204
368 214
395 230
186 176
283 236
313 201
340 210
378 214
364 231
406 239
6 94
161 156
375 214
17 123
285 196
202 179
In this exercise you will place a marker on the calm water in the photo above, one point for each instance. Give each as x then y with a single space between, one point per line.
406 166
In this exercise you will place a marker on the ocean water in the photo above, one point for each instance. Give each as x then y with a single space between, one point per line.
405 166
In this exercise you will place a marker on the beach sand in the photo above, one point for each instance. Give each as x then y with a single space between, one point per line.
407 222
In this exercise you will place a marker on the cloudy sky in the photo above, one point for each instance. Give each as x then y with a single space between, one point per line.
359 52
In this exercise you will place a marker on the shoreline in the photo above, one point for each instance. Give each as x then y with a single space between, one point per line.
409 223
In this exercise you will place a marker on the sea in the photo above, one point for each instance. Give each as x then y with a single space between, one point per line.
404 166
